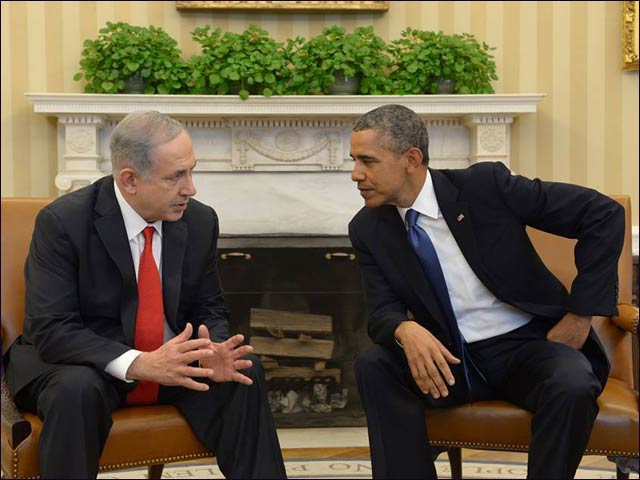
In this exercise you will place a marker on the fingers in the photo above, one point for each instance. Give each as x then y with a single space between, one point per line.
183 335
193 385
444 369
188 345
448 356
242 364
240 378
432 374
234 341
203 332
196 372
437 387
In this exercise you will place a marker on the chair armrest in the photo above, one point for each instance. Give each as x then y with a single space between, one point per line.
627 318
14 424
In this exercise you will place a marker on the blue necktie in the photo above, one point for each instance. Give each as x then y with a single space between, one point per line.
426 252
424 249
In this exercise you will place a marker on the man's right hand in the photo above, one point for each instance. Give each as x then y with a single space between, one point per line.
428 359
169 364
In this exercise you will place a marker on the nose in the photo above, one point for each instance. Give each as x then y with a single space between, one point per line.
356 174
188 188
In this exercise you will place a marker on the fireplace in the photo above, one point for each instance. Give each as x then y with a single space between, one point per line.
304 275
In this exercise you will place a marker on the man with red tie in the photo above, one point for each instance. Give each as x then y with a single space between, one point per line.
124 307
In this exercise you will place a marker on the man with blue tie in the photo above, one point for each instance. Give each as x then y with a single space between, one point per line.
460 306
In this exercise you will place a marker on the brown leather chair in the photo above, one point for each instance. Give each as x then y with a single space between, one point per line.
141 436
498 425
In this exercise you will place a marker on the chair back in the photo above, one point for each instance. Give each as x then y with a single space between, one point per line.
18 217
557 254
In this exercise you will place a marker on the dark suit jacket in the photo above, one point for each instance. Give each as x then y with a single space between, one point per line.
81 288
497 206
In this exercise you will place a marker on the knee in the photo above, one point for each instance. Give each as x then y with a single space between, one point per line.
75 388
371 361
575 387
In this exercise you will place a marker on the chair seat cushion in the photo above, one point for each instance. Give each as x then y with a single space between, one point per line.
128 445
499 425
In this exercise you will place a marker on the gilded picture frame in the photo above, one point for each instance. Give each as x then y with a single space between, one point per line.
300 6
630 35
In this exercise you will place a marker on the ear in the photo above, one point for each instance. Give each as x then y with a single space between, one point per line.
128 179
414 159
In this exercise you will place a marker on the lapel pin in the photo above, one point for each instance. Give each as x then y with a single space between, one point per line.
460 217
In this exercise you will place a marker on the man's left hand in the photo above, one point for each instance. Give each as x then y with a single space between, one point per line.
225 361
571 330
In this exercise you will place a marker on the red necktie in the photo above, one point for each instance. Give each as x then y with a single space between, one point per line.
149 319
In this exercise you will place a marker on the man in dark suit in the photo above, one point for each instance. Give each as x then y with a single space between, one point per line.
86 347
461 308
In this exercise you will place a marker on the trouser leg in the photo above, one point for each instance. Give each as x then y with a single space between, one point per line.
75 405
557 384
395 417
562 392
234 422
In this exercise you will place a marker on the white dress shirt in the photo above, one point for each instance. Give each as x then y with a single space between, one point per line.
135 224
479 313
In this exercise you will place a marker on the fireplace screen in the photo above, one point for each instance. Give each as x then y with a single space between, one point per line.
302 309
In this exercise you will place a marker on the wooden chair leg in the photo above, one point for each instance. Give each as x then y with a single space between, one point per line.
620 475
155 471
455 460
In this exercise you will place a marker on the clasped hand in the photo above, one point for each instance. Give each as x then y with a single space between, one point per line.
170 364
428 359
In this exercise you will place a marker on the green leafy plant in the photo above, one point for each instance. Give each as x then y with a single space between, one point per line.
251 62
122 50
314 63
422 58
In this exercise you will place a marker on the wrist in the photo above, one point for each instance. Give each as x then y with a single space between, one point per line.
401 330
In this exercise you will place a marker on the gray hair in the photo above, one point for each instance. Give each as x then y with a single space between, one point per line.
135 138
399 129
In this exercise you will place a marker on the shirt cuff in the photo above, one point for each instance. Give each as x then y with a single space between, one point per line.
120 366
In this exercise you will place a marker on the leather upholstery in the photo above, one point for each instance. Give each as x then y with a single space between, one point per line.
140 436
498 425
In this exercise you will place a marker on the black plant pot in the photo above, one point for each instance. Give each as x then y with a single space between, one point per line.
134 84
345 85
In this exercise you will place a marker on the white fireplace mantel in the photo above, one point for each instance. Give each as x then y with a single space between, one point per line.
279 164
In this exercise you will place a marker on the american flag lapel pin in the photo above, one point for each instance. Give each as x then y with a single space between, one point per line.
460 217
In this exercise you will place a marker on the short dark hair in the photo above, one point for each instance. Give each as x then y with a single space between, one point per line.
399 129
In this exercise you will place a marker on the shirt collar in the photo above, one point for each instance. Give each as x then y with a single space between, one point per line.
426 202
133 222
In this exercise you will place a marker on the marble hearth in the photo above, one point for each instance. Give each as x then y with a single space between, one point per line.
279 165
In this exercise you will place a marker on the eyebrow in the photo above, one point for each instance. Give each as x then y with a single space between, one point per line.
362 157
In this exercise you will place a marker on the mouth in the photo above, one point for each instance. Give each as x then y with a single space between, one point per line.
182 205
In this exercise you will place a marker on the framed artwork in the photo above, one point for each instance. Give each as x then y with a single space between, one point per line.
630 35
300 6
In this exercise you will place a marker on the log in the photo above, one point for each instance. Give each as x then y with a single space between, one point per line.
290 347
306 373
268 362
278 320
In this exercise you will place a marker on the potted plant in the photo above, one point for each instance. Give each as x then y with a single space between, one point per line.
123 51
251 62
317 63
427 62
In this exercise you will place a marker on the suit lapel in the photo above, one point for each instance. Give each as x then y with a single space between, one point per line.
110 228
458 217
394 238
174 245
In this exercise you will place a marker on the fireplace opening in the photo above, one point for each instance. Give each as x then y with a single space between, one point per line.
299 302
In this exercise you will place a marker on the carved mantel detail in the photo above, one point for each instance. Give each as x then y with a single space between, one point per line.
247 145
